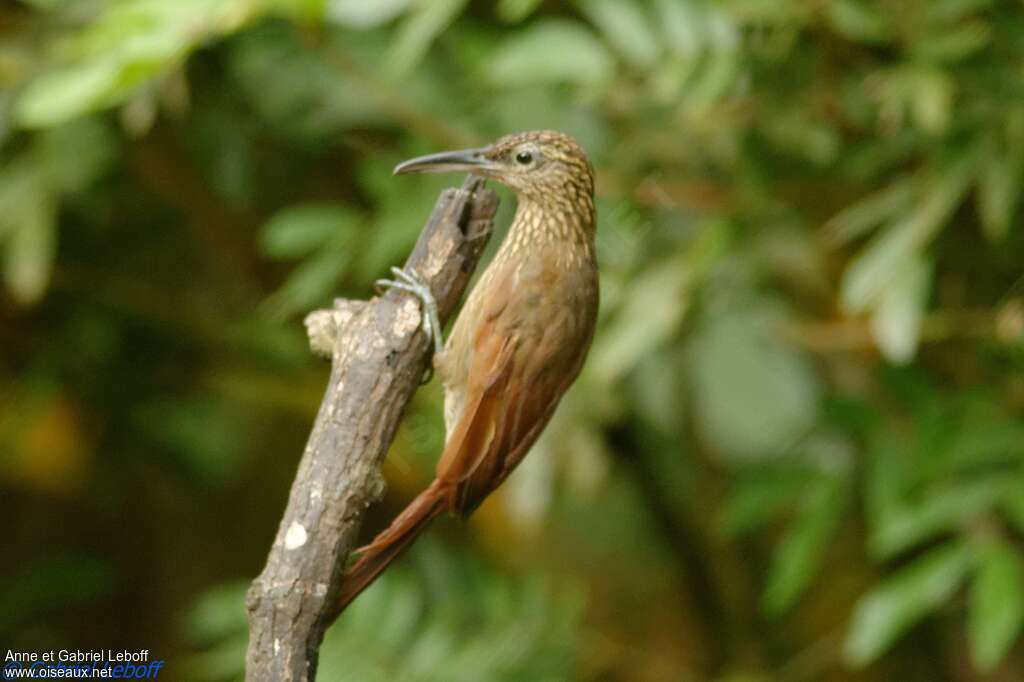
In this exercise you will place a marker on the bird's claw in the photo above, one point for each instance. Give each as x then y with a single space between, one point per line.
411 281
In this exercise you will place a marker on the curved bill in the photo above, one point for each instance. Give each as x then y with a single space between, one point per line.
467 160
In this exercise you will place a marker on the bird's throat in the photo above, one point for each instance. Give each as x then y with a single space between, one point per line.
542 225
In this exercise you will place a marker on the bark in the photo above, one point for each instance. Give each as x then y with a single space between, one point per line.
379 354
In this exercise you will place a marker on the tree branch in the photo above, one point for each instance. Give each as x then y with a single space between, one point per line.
378 355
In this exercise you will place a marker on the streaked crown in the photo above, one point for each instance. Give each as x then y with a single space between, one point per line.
539 162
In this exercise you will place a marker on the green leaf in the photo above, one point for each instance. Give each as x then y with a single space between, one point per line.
952 12
908 523
684 25
127 44
961 41
996 604
654 304
875 267
215 623
885 257
999 187
204 433
793 131
986 437
304 10
857 20
514 11
652 308
932 100
310 100
401 209
798 557
299 230
31 245
723 68
21 181
360 14
418 30
218 613
527 57
896 320
858 218
889 610
310 284
758 499
63 95
627 28
460 623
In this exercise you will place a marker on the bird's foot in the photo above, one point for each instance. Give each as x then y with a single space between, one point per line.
409 280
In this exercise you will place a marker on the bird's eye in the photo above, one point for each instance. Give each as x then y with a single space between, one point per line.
524 158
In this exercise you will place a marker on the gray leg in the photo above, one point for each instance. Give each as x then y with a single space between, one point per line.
410 281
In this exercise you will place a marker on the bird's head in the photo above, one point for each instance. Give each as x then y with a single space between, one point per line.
535 164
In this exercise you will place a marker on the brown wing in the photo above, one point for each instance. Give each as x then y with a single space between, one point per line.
507 407
515 432
521 363
488 377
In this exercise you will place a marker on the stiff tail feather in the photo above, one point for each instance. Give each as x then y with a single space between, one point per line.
391 542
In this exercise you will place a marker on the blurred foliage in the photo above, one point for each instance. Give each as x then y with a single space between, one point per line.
476 625
796 452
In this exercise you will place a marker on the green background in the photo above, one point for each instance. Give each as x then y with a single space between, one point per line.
796 451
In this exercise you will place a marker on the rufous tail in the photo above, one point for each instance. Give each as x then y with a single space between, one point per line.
391 542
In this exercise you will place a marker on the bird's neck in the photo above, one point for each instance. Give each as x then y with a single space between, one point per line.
566 224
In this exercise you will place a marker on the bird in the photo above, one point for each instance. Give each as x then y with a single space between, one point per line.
519 341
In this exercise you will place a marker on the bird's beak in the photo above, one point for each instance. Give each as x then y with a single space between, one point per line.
466 160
